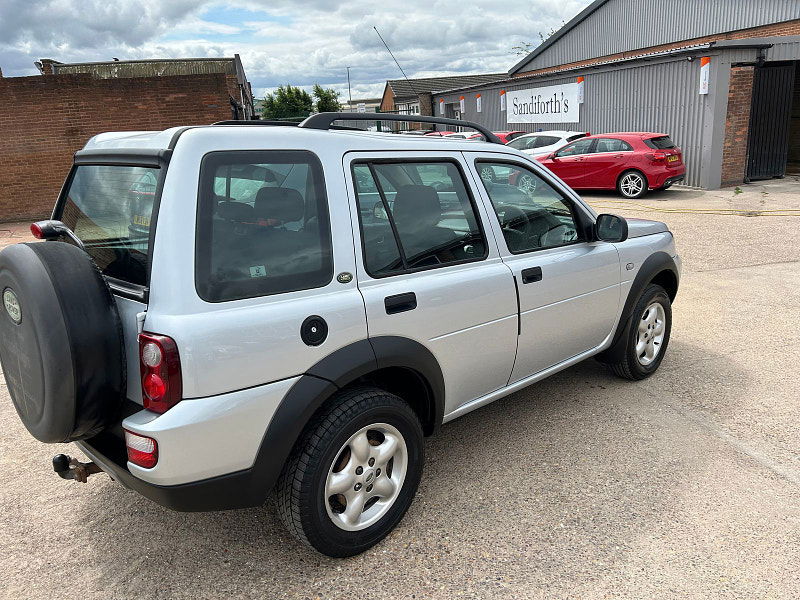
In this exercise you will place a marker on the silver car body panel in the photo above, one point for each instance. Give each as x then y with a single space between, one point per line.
239 358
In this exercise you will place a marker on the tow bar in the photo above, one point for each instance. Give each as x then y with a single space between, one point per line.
71 468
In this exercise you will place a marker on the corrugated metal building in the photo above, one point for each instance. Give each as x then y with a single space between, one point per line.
639 62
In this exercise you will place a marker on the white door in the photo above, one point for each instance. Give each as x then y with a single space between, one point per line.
569 286
444 284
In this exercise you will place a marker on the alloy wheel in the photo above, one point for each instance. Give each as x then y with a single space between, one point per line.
650 334
631 185
366 477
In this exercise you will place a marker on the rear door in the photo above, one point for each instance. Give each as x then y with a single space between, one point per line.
609 158
568 163
429 270
569 288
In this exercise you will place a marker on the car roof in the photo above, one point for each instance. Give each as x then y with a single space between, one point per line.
634 134
558 132
277 136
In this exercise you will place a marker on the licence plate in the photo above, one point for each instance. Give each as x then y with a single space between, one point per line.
672 158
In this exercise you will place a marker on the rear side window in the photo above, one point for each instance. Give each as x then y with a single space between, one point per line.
415 215
611 145
660 143
262 225
110 209
536 141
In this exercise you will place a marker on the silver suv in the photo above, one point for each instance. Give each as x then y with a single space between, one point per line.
223 311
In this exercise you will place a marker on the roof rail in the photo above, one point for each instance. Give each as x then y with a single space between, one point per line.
257 122
325 120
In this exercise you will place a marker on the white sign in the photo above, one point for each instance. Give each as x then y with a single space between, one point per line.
580 90
361 107
551 104
441 106
705 73
502 99
478 103
461 105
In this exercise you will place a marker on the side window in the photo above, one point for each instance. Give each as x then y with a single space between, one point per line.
262 225
611 145
415 215
581 146
532 214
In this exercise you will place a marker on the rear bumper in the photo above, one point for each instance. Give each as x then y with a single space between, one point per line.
207 450
217 493
665 176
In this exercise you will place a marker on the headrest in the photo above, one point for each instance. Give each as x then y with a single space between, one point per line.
416 206
235 211
279 204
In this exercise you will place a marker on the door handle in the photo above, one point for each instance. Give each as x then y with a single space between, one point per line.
532 274
400 303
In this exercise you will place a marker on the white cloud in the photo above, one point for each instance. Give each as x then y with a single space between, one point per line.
283 41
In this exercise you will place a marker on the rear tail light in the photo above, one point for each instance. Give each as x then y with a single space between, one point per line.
160 368
142 450
658 156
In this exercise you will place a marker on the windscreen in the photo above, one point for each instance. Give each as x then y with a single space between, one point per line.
110 209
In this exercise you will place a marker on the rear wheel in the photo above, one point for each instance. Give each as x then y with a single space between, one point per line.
648 335
353 474
632 184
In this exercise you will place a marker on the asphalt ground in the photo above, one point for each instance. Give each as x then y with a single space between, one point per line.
686 485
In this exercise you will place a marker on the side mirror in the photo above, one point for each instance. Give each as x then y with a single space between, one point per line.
552 156
610 228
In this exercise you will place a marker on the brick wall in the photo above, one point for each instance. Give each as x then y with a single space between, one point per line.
737 123
44 120
785 28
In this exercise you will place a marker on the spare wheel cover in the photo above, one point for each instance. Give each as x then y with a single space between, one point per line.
61 344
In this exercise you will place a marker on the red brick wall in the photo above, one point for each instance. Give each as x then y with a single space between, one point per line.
737 123
44 120
785 28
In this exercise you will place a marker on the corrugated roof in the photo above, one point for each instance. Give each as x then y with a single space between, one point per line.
581 16
410 88
149 68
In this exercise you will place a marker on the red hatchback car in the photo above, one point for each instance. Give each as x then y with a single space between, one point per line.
631 163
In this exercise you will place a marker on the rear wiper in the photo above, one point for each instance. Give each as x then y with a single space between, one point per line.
51 229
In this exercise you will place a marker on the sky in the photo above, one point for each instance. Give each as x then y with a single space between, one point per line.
279 41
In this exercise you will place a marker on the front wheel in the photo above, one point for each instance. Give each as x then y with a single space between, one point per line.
647 335
632 184
353 474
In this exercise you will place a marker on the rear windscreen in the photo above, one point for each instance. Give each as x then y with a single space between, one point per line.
110 209
660 143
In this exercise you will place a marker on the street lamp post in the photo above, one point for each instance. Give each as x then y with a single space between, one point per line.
349 93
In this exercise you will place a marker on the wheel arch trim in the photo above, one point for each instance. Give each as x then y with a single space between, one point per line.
654 265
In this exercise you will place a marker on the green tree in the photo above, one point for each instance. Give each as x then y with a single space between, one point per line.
327 99
287 101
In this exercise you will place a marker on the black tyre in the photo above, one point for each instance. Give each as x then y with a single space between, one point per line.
61 342
632 184
353 473
648 335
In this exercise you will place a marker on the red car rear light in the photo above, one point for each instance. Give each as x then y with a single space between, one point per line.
160 368
142 450
658 156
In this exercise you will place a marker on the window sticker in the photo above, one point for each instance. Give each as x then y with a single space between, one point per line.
258 271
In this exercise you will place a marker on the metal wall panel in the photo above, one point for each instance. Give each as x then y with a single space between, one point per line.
624 25
785 51
652 96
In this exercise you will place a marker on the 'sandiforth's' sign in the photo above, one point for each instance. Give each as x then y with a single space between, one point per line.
551 104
